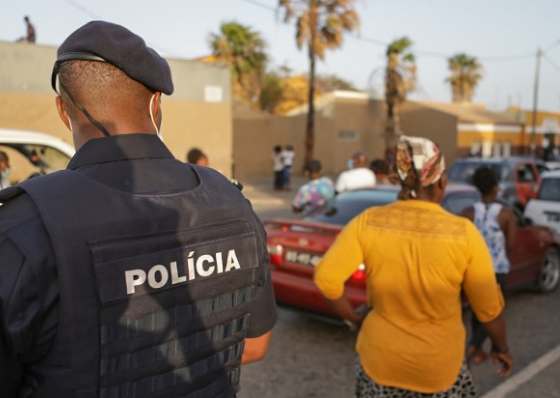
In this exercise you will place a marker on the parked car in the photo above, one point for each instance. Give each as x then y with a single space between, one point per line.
545 208
32 153
296 246
517 176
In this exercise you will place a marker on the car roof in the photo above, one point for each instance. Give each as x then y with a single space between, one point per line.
451 188
495 160
551 174
13 136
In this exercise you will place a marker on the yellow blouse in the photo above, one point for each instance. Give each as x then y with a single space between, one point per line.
418 257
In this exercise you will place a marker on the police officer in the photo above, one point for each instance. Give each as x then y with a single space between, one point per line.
130 273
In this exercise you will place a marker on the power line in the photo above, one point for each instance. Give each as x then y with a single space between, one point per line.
261 5
552 46
551 63
427 53
83 9
97 17
498 58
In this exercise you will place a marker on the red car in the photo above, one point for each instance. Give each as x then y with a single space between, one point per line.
296 246
517 176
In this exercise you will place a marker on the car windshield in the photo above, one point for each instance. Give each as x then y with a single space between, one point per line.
33 159
349 204
550 189
464 171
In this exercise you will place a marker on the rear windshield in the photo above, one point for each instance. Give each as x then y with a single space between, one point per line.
550 189
349 204
463 171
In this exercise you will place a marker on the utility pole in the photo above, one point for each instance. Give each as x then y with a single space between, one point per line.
533 145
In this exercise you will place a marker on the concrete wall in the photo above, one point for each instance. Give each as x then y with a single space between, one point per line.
367 119
440 127
197 114
254 138
362 121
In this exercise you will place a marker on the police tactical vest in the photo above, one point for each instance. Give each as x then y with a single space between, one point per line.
155 290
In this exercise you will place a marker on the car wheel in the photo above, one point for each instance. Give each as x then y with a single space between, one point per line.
550 272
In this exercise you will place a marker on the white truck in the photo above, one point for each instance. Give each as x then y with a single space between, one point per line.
32 153
545 209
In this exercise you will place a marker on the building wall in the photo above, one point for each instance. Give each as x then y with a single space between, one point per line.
254 139
547 123
197 114
348 127
496 137
440 127
366 118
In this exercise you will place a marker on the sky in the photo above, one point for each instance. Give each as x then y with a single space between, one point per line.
503 34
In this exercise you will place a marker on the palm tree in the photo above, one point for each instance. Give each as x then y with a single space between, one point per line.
244 51
400 79
466 72
319 26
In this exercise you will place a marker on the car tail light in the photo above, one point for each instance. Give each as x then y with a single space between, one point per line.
275 253
360 275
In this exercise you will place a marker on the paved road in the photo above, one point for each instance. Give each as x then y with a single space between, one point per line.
309 358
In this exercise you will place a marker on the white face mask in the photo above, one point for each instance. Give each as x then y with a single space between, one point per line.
70 123
5 173
152 117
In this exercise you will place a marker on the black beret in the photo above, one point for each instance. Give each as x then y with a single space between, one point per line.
120 47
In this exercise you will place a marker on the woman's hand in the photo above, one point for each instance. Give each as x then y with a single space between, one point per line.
503 361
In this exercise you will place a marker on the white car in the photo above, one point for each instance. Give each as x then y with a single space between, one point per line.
32 153
545 209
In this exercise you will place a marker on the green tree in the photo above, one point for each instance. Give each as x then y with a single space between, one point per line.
243 50
319 26
466 72
273 89
400 79
327 83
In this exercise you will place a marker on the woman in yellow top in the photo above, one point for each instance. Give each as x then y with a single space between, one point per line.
418 258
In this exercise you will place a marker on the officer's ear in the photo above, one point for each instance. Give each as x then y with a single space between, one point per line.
62 113
156 107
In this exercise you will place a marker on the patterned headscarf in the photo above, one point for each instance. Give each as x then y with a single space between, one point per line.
418 163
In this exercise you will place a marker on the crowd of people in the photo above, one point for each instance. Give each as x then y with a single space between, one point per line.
119 277
318 194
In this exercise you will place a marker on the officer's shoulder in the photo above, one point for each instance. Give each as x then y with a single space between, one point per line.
10 193
210 172
236 183
16 208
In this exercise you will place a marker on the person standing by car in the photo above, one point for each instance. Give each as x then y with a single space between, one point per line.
317 195
130 273
497 225
358 177
4 170
418 258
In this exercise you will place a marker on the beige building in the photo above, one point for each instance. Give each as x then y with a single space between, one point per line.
463 129
347 122
546 133
197 114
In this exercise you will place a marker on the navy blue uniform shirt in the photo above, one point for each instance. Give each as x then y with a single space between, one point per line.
29 291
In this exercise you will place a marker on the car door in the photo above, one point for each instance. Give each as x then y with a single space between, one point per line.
526 177
531 244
